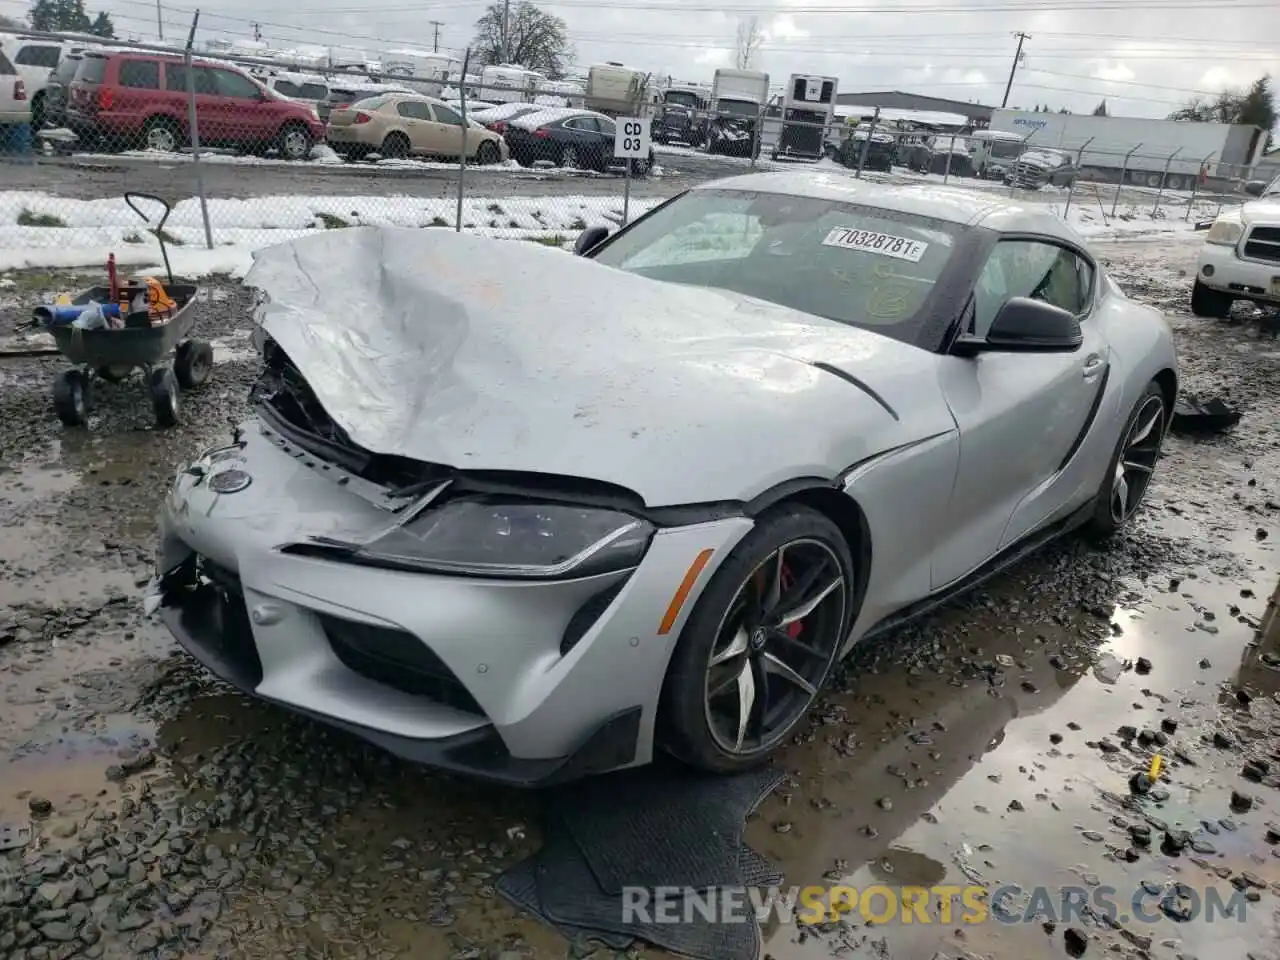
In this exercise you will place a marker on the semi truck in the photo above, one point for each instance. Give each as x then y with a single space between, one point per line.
1152 153
738 99
808 111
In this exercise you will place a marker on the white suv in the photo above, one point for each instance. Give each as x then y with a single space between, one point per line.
35 59
14 105
1240 259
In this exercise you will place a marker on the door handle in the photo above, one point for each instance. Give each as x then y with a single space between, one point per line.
1093 365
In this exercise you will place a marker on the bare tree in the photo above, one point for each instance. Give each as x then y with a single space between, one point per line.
528 36
750 38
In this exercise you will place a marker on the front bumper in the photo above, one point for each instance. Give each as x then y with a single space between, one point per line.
1221 268
524 683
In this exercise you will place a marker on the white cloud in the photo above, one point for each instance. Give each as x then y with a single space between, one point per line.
1074 58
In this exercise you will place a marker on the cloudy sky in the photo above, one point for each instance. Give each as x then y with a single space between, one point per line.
1145 57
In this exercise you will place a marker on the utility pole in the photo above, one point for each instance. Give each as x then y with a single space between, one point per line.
159 21
257 31
506 26
435 43
1014 68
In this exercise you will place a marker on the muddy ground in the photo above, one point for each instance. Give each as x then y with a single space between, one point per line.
172 818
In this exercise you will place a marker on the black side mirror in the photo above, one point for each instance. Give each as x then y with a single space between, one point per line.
588 239
1024 325
1254 188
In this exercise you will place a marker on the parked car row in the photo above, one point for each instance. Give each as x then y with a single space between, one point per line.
563 136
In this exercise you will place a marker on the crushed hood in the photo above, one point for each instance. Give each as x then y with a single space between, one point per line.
505 355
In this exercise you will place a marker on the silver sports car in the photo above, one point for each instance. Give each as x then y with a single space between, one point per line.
532 516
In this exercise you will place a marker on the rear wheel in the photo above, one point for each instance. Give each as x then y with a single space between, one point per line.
569 157
760 642
488 153
1132 465
162 135
394 147
192 363
1207 302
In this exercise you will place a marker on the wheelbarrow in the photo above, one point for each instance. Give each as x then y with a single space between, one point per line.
169 359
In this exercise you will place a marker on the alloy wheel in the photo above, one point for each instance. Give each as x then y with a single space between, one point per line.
775 645
161 139
295 145
569 158
1137 460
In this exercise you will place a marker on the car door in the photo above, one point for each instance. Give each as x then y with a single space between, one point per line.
448 132
584 134
249 117
419 125
1021 416
211 122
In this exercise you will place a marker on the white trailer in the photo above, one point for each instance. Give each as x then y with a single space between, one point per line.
1146 152
808 108
617 90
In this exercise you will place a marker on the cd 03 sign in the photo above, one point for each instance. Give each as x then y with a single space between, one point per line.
631 138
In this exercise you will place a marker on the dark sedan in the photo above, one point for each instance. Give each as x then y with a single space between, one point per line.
578 139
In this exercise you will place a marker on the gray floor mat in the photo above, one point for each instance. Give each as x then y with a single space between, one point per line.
519 887
662 825
570 897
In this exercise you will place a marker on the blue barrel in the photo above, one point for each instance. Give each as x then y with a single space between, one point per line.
15 139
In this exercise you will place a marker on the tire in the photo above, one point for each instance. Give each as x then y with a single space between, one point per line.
689 727
114 374
71 397
294 142
1210 303
192 363
38 115
1138 446
488 153
163 387
162 135
569 157
394 147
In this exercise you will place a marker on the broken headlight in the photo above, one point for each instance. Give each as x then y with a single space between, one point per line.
509 538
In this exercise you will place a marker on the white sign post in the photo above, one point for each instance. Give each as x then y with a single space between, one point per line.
630 142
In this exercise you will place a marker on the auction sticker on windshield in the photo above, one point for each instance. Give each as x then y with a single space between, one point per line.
884 244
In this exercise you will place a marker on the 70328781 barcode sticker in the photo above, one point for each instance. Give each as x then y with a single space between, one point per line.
885 244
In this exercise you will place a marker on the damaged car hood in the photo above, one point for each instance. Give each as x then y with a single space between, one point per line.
504 355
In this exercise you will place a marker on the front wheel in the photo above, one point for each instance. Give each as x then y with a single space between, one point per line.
71 397
294 142
760 643
1207 302
488 153
1132 465
163 387
569 158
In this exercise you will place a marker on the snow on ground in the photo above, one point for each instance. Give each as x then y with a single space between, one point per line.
39 230
42 230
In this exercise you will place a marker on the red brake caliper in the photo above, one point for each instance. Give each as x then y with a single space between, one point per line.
793 629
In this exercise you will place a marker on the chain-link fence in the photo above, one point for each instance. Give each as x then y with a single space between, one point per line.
252 153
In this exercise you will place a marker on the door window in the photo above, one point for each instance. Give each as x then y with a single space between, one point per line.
413 110
583 124
175 78
287 88
140 74
38 56
1035 269
228 83
446 115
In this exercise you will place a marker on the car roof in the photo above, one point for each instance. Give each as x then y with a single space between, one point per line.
952 204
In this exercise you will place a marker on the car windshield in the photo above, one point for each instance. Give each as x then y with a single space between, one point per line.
854 264
738 108
682 98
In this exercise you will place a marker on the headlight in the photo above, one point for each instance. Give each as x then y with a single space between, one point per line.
1225 233
507 538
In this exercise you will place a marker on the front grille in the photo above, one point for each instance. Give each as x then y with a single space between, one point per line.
398 660
1263 243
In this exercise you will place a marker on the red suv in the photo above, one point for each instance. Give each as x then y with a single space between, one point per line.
123 100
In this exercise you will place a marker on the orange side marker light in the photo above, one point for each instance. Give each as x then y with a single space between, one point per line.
682 592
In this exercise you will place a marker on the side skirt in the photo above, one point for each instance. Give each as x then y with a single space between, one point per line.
1013 554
